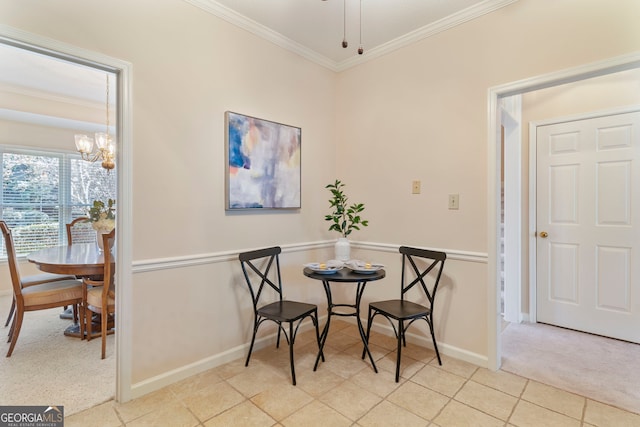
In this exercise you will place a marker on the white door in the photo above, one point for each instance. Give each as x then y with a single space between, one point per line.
588 230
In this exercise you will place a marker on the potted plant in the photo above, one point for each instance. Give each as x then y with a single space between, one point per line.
102 217
344 219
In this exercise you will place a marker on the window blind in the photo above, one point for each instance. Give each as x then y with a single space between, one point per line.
44 190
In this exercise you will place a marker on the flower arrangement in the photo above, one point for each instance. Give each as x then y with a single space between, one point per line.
102 216
344 218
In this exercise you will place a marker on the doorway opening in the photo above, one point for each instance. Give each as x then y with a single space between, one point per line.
96 64
496 95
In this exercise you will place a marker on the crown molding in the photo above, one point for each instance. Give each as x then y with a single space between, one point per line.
262 31
268 34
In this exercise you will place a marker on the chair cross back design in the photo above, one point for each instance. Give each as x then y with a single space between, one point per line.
263 266
403 310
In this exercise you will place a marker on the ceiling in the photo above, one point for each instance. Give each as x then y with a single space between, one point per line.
311 28
315 28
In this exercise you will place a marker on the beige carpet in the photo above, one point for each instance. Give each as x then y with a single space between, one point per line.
48 368
601 368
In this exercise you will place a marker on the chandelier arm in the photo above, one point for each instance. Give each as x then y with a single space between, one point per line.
104 146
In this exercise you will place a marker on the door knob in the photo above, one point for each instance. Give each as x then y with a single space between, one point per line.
544 234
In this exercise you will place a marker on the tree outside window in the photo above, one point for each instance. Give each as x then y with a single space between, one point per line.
42 191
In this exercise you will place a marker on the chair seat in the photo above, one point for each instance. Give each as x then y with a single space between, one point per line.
94 298
286 310
399 309
52 292
37 279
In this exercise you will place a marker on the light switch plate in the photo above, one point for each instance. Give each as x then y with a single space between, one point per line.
415 187
454 201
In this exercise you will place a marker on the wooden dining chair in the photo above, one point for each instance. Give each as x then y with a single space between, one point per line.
26 281
417 264
99 296
80 231
262 280
38 296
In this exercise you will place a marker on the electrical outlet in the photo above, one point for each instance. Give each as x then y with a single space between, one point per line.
415 187
454 201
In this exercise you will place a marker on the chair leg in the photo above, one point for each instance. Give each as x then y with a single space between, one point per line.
17 324
89 324
433 338
369 321
11 328
253 340
279 330
400 340
83 320
104 320
293 369
11 310
317 325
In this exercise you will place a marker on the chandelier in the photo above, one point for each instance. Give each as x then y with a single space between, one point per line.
105 148
345 44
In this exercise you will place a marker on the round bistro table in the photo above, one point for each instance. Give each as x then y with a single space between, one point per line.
344 275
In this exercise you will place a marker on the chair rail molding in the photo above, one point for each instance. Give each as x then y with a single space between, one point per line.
146 265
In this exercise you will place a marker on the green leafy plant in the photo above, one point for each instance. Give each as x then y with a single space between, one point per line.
102 215
344 218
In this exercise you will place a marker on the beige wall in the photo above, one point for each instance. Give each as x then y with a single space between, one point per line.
418 113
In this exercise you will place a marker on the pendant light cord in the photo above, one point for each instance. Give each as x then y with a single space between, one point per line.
360 49
107 104
344 24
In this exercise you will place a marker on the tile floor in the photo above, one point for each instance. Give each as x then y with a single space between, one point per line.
345 391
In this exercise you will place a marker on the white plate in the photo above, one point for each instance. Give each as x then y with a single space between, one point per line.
365 270
326 270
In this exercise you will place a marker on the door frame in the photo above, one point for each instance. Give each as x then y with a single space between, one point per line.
124 160
581 72
533 185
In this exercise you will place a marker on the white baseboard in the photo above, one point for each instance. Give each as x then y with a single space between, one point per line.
444 348
167 378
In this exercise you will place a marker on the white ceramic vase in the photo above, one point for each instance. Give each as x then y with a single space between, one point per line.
99 241
342 249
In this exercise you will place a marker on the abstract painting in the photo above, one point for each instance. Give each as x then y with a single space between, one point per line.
263 163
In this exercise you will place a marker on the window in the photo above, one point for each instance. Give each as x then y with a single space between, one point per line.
43 190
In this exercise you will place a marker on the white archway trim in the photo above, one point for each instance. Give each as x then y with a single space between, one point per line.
20 38
613 65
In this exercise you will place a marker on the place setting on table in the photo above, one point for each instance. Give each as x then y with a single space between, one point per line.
333 266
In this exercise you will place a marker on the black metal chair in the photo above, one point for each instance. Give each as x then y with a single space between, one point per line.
256 266
403 310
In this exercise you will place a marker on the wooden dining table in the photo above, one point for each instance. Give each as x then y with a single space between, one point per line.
79 259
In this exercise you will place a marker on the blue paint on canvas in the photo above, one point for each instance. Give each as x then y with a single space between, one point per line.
264 163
